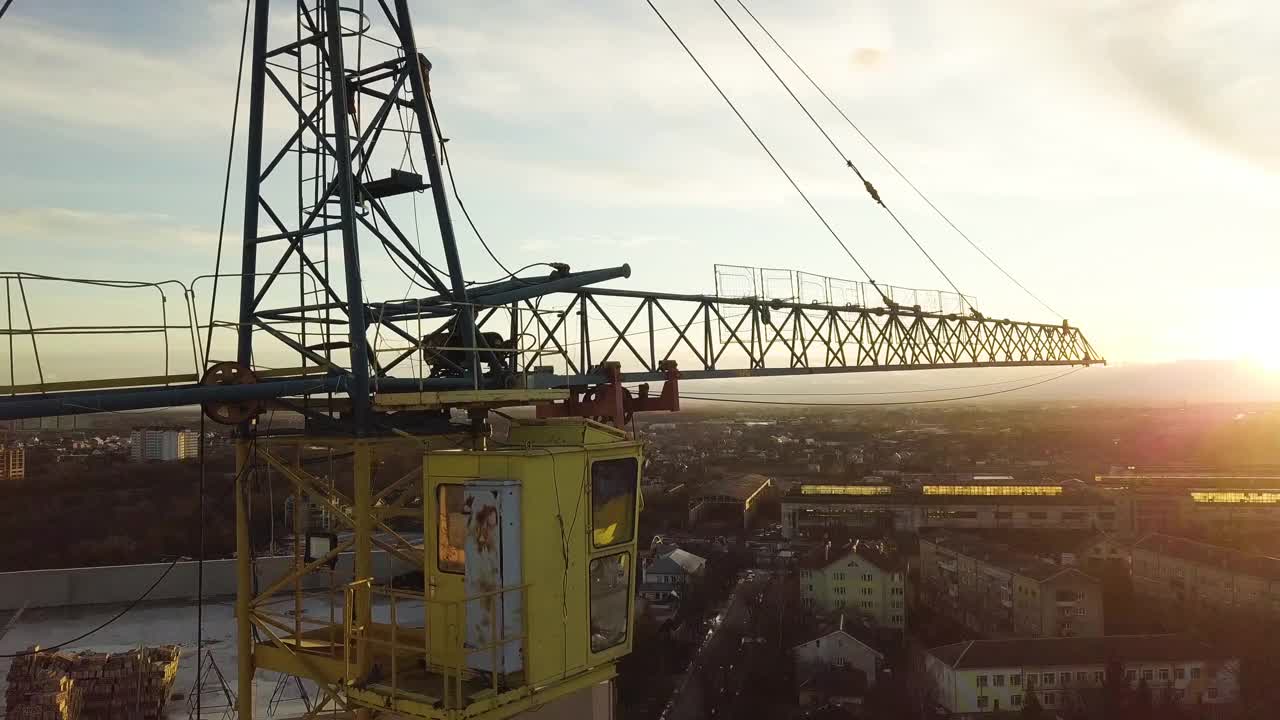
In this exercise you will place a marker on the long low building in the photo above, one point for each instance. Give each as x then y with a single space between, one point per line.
997 591
1173 501
995 676
810 510
734 498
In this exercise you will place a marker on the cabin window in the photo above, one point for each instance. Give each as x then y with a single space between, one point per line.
451 529
610 578
613 501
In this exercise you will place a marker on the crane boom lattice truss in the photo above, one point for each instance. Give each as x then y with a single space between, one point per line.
731 337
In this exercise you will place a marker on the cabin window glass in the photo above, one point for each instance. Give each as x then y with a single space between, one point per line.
610 578
451 529
613 501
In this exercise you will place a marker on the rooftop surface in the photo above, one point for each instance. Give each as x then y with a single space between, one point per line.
740 487
994 553
904 497
847 623
175 624
677 561
152 624
1049 652
1215 556
875 553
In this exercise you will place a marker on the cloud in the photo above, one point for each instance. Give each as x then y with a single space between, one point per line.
170 86
81 79
1209 67
87 229
536 244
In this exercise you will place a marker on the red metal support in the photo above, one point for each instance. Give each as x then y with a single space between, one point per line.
613 404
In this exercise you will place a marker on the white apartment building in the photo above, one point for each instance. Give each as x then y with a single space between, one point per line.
989 676
863 579
834 646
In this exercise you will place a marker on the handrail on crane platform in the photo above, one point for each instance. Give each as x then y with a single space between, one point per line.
413 659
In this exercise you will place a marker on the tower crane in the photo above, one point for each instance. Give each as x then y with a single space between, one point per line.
529 558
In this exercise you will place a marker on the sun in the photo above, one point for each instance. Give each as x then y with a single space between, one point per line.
1248 328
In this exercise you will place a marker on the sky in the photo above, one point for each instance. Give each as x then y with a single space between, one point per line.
1118 157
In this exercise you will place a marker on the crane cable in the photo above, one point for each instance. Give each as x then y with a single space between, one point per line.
457 197
5 7
871 189
766 149
226 184
892 166
114 618
915 391
138 600
884 403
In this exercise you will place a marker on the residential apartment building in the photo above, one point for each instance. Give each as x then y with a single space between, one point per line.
813 510
991 676
670 572
166 444
998 591
13 464
862 577
1188 578
834 646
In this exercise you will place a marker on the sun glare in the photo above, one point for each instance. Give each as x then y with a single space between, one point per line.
1248 331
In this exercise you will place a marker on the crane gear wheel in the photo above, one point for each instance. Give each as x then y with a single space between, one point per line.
230 413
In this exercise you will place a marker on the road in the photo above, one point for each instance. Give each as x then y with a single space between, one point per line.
711 677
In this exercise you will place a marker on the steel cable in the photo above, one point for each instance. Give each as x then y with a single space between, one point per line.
884 403
763 145
890 163
871 190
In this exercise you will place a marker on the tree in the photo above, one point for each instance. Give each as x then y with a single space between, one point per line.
1168 708
1142 707
1114 690
1031 709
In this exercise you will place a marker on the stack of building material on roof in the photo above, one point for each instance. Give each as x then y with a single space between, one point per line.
106 686
37 692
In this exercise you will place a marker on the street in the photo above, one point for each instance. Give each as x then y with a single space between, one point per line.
711 678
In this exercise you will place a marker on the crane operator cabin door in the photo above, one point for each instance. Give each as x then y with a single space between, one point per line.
493 576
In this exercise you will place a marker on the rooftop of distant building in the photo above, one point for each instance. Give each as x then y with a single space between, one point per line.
1215 556
864 494
1050 652
878 553
740 487
847 623
994 553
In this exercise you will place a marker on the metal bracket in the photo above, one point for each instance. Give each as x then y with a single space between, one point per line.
613 404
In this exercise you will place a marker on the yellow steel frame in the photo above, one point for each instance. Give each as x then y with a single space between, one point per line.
300 645
326 651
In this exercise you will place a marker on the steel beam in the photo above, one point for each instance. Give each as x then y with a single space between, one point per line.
359 389
244 584
500 293
253 159
362 510
81 403
422 110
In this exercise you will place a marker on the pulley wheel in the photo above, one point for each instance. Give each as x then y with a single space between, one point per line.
233 412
